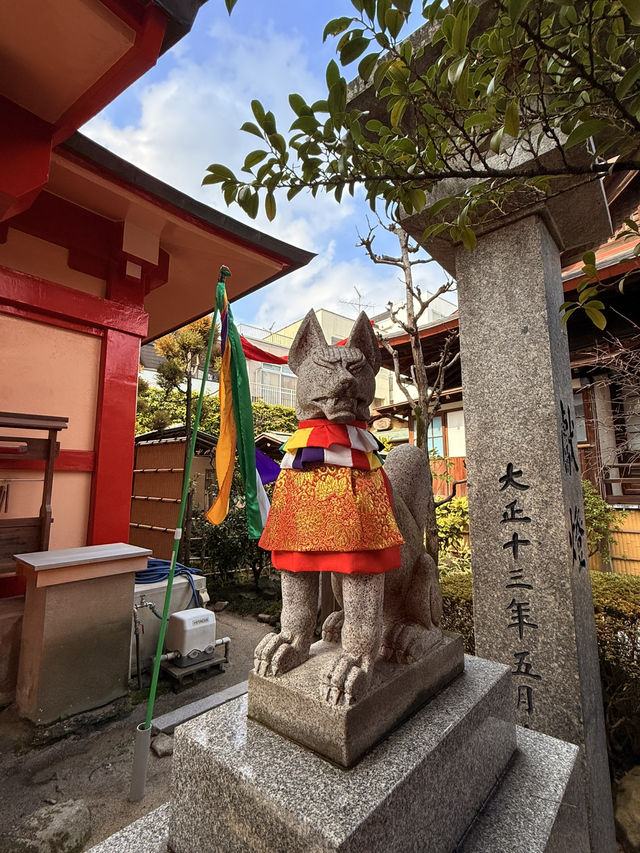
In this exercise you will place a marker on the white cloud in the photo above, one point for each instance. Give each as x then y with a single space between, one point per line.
191 118
329 283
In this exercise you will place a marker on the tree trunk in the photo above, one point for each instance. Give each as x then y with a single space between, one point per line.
421 407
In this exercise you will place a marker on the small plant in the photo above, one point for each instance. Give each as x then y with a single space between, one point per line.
602 521
452 519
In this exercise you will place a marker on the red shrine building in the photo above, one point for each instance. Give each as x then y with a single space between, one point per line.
96 257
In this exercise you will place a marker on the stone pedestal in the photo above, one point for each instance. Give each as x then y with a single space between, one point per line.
76 631
291 704
237 786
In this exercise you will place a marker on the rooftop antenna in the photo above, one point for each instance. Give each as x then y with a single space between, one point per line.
356 303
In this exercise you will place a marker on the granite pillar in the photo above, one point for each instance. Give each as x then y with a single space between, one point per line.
533 606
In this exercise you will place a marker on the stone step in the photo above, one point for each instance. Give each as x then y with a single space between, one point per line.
242 787
538 805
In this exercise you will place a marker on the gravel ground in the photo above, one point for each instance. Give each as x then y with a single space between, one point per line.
96 765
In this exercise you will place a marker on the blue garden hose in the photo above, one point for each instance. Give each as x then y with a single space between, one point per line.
158 571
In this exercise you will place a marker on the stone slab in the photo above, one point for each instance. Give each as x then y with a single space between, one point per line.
65 557
148 834
167 722
539 805
241 787
292 704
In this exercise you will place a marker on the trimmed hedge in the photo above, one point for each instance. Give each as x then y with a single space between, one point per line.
616 602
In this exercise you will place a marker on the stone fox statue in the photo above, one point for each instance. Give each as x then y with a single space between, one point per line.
336 509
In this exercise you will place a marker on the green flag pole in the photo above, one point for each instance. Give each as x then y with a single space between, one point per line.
143 732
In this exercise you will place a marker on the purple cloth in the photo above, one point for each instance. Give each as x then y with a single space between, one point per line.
267 468
307 455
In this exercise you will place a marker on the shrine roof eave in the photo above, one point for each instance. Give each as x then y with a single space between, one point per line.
164 193
197 238
182 14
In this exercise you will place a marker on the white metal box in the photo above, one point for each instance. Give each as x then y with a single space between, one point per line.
181 599
191 632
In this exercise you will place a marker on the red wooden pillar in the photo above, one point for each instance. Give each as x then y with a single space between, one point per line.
114 439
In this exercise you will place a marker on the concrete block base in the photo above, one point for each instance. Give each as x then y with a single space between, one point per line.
242 787
292 705
458 775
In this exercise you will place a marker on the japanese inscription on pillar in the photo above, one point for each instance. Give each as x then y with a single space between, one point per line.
577 538
520 610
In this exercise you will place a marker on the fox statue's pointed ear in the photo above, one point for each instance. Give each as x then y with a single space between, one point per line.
363 337
309 336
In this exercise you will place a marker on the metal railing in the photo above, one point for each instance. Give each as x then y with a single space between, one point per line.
274 395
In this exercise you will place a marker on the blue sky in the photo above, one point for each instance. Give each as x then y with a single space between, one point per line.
186 113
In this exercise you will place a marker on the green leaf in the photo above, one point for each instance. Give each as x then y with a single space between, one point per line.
258 111
496 140
597 317
591 273
298 104
583 131
252 159
460 31
292 192
366 66
229 192
381 72
335 27
628 80
567 314
338 97
468 238
589 259
393 21
516 8
222 173
632 8
455 70
512 118
307 124
278 142
383 7
354 48
398 111
403 5
332 74
418 199
230 4
270 206
253 205
250 127
439 205
586 294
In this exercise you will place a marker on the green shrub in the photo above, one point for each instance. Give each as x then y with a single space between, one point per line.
457 602
616 602
452 519
602 522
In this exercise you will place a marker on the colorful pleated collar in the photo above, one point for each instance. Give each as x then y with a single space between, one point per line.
321 442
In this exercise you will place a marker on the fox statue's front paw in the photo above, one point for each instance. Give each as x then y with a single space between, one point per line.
332 627
406 642
348 680
278 653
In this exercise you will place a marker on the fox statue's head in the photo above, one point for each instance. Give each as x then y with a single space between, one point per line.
334 382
